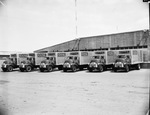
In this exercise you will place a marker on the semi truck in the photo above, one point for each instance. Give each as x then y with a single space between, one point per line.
13 62
77 60
128 59
53 60
31 62
101 60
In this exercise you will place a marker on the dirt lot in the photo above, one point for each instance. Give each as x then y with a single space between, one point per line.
80 93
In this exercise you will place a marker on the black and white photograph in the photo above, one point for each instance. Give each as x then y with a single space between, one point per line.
74 57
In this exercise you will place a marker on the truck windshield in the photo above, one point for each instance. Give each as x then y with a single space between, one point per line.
96 57
70 57
121 56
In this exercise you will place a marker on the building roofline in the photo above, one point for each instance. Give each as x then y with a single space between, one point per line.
91 37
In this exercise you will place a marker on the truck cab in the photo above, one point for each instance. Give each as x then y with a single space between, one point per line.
49 63
10 63
77 60
122 62
27 64
97 63
127 59
102 60
71 63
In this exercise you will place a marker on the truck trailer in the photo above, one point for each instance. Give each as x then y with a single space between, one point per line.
32 61
53 60
101 60
128 59
77 60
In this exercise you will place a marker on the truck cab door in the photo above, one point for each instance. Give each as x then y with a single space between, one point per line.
76 60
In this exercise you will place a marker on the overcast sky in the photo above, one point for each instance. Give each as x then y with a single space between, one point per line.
28 25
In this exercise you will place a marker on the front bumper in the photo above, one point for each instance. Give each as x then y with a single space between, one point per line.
22 66
43 67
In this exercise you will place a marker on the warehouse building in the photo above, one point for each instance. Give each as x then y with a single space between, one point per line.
134 39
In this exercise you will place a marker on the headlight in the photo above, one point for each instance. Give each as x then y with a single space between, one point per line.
4 65
43 65
22 65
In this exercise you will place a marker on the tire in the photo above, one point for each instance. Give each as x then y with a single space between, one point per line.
101 69
74 69
22 70
49 69
90 70
127 68
4 69
59 68
138 67
41 70
28 68
64 70
115 70
10 68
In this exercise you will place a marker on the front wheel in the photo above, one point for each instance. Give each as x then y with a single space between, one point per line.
49 69
22 70
126 68
90 70
59 68
41 70
28 68
115 70
64 70
101 68
10 68
74 69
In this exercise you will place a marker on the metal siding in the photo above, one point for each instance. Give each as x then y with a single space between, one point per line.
104 41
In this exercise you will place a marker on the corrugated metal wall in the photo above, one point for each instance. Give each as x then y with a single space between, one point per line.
105 41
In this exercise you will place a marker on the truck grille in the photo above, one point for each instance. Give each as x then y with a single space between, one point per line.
93 64
66 65
119 64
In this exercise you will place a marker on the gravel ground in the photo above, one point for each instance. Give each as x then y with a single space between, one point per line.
80 93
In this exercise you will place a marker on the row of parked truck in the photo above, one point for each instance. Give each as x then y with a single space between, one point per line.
75 60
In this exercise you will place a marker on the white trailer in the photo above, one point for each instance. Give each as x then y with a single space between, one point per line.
127 59
77 60
101 60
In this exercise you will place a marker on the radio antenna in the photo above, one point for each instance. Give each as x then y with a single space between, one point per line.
76 28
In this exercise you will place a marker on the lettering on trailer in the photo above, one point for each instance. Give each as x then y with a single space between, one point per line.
135 52
124 52
41 55
32 54
99 52
61 54
13 55
84 53
51 54
110 53
74 53
23 55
